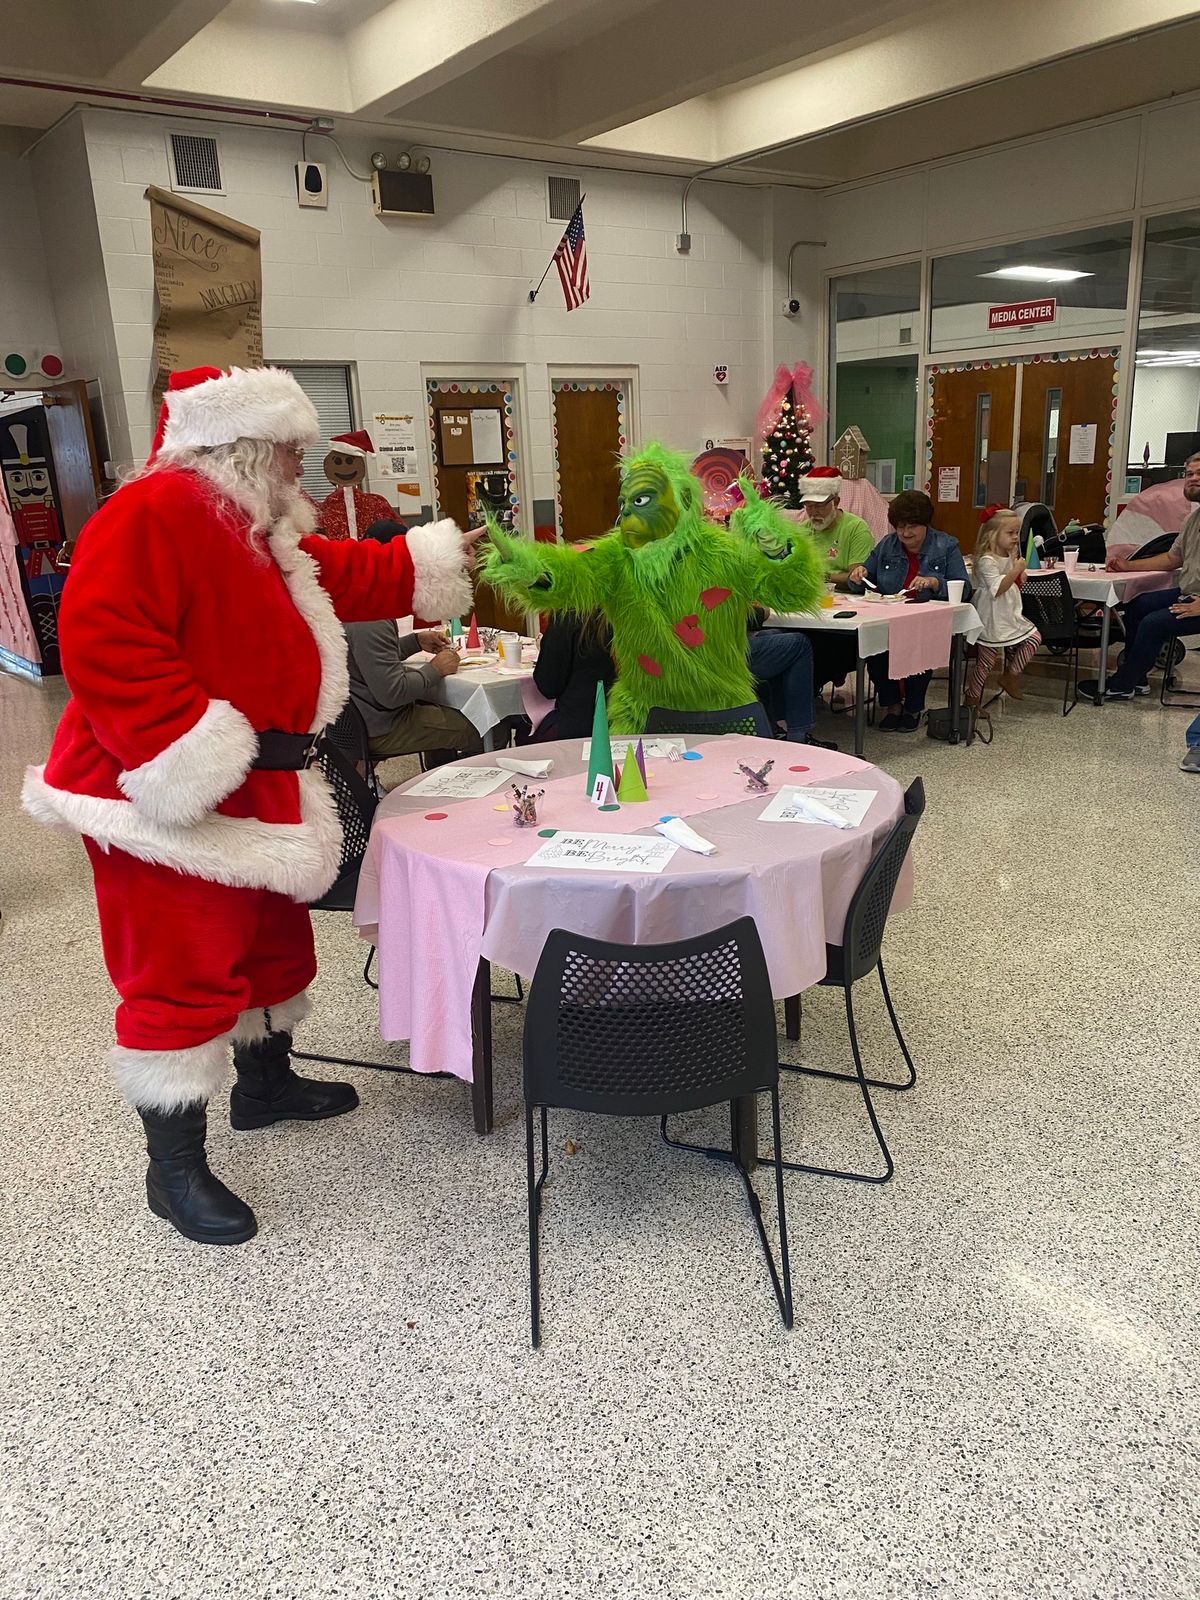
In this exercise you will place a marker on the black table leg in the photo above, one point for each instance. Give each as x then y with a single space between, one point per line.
791 1016
860 706
481 1047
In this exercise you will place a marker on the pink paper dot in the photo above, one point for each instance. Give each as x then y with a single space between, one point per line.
436 816
497 843
706 797
798 769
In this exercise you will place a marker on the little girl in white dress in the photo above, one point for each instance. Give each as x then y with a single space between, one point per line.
996 595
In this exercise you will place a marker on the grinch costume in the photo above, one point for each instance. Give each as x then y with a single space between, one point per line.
675 588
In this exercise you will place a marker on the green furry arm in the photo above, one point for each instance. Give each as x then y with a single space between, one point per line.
543 577
785 570
759 522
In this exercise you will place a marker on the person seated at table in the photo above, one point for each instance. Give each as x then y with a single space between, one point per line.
917 559
393 697
999 568
1164 615
781 662
574 656
842 538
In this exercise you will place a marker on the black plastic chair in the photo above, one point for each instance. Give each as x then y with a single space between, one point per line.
751 718
1047 601
859 954
349 734
651 1030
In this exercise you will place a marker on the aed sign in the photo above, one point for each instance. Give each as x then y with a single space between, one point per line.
1024 314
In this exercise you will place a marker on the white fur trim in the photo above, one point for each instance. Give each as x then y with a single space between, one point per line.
251 1026
299 859
196 772
245 403
818 488
312 601
442 584
168 1080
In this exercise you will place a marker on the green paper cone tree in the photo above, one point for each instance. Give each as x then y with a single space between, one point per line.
632 786
600 759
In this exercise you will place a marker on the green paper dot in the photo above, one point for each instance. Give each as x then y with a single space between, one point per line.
610 808
547 833
16 365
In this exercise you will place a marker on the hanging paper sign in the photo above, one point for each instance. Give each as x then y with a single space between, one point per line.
947 485
395 438
1082 451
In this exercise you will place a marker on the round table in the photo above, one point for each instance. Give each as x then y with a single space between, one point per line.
446 889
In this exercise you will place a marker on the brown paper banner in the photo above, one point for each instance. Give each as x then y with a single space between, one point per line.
208 279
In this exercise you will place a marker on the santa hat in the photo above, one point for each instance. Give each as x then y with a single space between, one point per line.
205 407
822 483
357 443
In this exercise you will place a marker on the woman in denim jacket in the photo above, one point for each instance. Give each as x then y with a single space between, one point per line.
919 559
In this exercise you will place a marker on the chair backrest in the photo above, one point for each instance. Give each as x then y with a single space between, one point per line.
356 811
867 915
349 734
1036 519
751 718
1156 547
647 1030
1047 601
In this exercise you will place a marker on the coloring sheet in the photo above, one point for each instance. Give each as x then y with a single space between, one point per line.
459 783
851 805
604 852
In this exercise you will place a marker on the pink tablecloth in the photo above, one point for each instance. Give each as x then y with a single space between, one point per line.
437 894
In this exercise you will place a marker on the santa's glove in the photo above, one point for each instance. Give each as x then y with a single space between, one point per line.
760 522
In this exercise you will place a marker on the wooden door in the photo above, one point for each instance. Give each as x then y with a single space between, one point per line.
464 484
972 431
587 442
73 450
1055 396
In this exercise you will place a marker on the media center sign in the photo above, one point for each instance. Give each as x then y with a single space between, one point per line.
1024 314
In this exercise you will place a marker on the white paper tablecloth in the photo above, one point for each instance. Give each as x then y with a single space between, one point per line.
871 623
484 695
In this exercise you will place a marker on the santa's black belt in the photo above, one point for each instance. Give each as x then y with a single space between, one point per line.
283 752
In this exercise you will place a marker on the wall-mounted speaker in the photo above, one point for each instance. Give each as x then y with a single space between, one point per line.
402 194
312 185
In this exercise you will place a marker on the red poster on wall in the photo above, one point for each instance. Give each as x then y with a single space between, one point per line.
1022 314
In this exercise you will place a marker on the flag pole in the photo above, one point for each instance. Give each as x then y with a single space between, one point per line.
533 293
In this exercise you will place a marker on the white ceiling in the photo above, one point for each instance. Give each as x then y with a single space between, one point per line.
800 92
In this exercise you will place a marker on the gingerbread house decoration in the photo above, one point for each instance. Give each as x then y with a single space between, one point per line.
850 454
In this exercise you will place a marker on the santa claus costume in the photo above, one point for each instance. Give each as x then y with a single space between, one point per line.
349 510
202 642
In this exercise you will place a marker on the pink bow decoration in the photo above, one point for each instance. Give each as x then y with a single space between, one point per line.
798 380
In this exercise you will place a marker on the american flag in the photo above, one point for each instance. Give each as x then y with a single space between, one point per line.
571 260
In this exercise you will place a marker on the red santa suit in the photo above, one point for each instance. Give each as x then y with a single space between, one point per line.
184 638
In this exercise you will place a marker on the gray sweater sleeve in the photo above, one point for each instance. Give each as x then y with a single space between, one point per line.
379 656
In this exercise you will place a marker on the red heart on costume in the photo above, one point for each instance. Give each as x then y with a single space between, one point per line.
689 632
710 599
649 665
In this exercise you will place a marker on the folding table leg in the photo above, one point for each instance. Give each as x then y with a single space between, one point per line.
481 1048
956 682
860 706
1102 674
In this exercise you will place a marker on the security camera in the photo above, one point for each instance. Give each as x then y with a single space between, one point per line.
791 308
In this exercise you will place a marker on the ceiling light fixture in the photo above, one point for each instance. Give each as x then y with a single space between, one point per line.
1038 274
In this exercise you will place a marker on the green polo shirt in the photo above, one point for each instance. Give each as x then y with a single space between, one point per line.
846 542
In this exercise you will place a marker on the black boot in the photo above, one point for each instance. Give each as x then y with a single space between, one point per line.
267 1090
179 1185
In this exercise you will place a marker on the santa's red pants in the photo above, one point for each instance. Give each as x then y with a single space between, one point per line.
189 958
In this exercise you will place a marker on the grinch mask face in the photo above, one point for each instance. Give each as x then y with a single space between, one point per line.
649 509
345 471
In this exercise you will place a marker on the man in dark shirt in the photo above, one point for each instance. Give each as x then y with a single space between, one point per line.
398 702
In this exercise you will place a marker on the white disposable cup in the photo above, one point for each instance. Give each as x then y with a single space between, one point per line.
954 591
1070 559
508 649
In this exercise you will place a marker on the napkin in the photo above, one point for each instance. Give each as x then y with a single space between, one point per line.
678 832
818 810
527 767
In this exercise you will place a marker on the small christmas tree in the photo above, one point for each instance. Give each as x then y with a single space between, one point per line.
786 454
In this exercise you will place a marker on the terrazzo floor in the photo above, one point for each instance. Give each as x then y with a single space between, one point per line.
991 1388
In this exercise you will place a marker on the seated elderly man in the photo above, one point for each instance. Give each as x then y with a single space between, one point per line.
1164 615
398 701
841 537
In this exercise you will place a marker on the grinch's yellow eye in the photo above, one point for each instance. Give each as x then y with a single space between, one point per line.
640 501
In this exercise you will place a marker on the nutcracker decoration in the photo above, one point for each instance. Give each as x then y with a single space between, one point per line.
27 480
348 511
